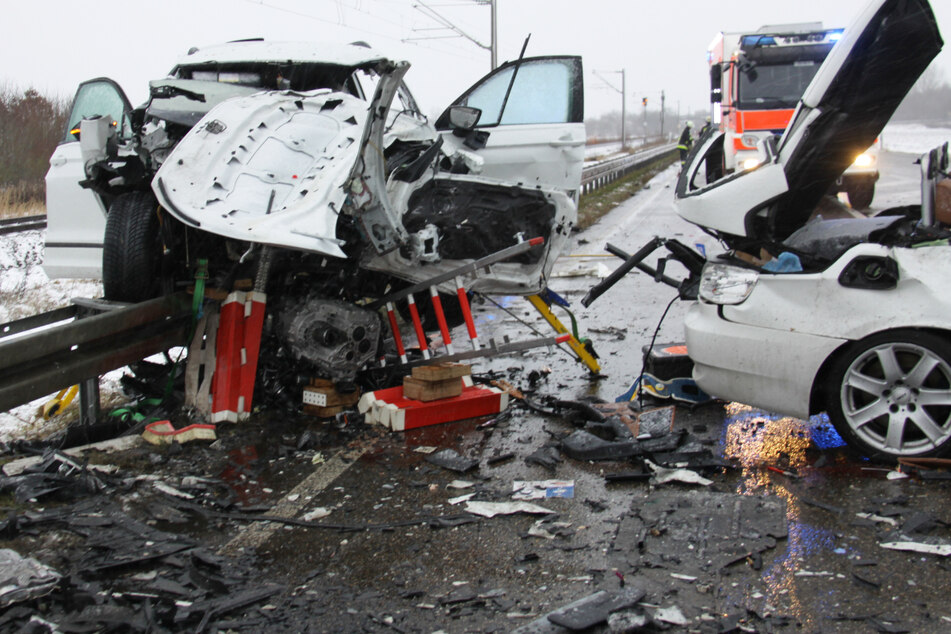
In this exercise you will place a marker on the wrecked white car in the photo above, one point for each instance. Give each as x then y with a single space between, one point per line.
320 179
850 315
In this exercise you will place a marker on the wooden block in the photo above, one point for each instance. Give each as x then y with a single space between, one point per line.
323 412
441 371
431 390
328 396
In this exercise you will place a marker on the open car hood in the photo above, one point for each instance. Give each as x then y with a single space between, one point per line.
278 168
846 106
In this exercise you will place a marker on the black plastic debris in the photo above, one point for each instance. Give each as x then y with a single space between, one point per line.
24 578
583 445
547 456
54 473
585 613
452 460
708 531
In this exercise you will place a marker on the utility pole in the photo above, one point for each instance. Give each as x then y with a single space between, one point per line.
662 114
492 47
623 92
495 33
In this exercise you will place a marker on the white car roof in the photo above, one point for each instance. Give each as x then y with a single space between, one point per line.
262 51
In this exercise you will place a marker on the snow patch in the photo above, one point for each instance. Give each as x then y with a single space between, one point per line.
913 138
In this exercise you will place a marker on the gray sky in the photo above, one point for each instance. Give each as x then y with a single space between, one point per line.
54 44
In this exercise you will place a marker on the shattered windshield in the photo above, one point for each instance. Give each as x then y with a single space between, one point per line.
774 86
185 101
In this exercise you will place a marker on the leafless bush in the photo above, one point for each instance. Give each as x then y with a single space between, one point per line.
31 125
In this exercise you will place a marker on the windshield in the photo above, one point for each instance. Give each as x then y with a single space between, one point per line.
774 86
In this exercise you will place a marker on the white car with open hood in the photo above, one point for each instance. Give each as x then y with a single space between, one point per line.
312 170
851 315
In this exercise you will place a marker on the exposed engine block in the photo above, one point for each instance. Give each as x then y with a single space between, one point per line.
337 337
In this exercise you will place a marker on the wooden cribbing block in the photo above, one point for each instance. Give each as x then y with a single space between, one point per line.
322 399
441 371
431 390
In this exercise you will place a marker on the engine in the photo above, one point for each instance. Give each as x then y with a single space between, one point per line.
337 337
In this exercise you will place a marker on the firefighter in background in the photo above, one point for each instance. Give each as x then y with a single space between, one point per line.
685 142
703 130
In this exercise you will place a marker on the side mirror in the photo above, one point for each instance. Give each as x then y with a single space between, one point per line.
464 117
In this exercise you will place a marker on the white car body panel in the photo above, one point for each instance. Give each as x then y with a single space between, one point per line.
528 156
732 198
279 157
768 350
76 219
764 367
319 52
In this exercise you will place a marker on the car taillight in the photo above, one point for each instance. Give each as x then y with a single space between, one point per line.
724 284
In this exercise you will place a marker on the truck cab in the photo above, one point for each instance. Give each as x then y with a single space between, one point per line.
757 79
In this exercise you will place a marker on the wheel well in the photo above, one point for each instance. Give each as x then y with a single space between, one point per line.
820 385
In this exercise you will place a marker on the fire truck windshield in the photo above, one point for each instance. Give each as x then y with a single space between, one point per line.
765 87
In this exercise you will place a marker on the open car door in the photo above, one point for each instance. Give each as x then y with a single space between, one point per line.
76 217
530 129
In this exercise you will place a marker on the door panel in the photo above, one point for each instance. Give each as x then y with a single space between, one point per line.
76 217
533 115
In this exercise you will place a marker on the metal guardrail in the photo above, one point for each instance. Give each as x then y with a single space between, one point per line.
606 172
63 347
592 178
26 223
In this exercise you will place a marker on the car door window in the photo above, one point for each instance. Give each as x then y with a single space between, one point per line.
544 91
98 97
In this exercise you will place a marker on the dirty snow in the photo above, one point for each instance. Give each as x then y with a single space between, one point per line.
26 290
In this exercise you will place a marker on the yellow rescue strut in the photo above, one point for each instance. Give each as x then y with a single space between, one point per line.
584 354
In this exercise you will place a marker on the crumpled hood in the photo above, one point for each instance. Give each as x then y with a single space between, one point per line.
849 101
269 168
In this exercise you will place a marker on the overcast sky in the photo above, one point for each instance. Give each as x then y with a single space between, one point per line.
54 44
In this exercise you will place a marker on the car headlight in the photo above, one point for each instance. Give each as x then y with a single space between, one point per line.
749 140
724 284
750 163
864 160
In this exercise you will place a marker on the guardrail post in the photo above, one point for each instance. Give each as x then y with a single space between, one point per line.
89 403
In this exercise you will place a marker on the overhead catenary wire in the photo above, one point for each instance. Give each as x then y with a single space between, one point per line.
452 51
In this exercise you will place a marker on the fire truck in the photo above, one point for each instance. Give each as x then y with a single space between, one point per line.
756 81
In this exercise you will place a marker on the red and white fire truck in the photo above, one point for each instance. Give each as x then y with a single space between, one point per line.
756 81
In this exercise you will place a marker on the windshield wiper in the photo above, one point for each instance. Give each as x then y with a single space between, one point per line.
166 91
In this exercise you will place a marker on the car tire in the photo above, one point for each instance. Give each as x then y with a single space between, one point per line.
890 395
131 251
860 194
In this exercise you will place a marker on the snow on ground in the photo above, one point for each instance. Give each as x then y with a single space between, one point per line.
913 138
25 290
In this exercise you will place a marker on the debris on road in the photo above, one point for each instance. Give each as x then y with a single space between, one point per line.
491 509
541 489
164 433
24 578
585 613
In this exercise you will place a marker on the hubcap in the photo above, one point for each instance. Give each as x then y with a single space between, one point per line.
896 398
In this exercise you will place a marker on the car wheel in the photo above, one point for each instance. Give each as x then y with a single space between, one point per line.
860 194
131 251
891 395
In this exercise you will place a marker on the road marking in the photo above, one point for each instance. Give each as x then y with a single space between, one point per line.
254 536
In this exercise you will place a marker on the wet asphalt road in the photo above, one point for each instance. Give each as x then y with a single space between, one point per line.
828 574
400 560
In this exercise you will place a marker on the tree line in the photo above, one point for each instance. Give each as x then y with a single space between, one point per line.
31 125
